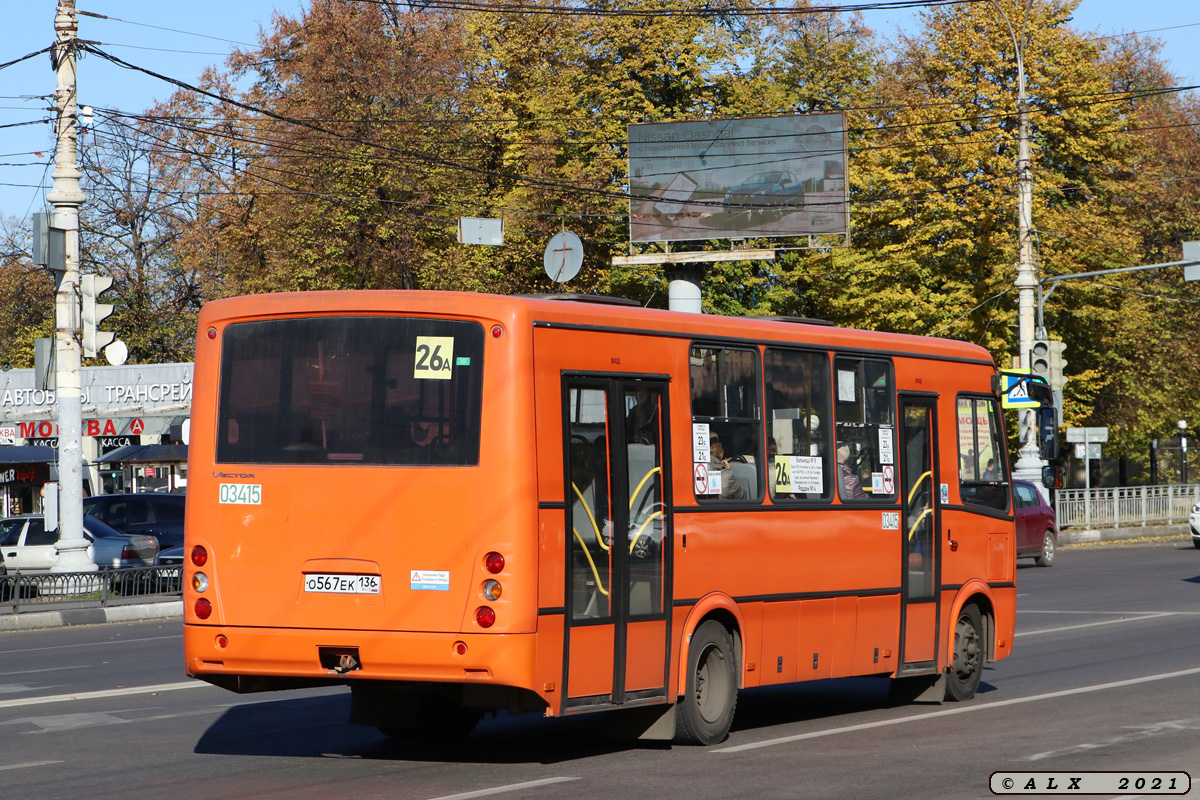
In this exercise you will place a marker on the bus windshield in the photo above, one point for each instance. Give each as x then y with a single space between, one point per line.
351 390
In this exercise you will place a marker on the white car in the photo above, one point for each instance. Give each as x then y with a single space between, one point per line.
28 547
1194 520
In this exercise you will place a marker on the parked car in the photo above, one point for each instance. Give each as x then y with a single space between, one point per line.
151 513
1194 520
28 547
169 575
1037 528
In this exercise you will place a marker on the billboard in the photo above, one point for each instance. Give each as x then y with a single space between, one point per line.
737 178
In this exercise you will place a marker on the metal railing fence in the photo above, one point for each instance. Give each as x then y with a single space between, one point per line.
32 590
1126 506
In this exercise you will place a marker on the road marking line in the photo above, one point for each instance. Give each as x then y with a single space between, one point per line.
88 644
36 671
1099 687
512 787
1094 624
29 764
63 698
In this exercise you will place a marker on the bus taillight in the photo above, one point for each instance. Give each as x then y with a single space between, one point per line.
492 590
203 608
493 562
484 616
199 556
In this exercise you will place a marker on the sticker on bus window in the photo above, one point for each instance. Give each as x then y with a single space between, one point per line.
885 445
700 443
429 580
891 520
706 479
798 474
433 358
945 493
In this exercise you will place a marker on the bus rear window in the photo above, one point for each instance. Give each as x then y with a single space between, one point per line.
351 390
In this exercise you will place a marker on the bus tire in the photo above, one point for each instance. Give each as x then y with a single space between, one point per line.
1046 559
705 711
966 669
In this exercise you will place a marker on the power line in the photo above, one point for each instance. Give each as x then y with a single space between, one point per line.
487 7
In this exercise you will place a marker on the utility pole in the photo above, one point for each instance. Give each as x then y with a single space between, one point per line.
1029 462
66 197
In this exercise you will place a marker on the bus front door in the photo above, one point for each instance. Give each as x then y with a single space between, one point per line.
919 527
618 541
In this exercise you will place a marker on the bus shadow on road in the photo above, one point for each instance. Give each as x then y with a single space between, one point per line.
316 727
769 706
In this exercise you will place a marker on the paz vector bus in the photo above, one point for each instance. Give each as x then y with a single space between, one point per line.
458 503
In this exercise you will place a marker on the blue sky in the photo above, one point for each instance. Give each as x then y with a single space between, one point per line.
180 39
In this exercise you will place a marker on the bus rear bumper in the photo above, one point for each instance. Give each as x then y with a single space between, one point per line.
256 659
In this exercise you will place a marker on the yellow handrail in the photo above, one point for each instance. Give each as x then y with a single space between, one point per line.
917 485
913 529
592 517
642 483
595 572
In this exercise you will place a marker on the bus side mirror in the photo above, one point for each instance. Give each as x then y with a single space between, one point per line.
1053 477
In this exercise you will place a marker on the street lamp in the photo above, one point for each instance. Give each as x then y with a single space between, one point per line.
1029 462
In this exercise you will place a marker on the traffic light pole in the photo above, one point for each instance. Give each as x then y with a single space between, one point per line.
1054 280
66 197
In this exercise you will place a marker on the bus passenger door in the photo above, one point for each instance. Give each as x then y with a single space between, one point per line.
618 536
919 529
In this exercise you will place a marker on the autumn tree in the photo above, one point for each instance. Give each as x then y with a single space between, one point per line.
26 297
138 204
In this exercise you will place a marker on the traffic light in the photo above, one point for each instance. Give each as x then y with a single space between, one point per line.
1039 358
1057 363
94 339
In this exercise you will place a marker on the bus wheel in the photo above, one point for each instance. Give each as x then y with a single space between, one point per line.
705 712
967 669
1046 559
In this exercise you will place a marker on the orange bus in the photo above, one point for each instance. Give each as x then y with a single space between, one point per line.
458 503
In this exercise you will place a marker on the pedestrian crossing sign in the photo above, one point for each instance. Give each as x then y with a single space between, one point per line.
1014 391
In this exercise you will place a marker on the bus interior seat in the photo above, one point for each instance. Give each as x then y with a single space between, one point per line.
747 477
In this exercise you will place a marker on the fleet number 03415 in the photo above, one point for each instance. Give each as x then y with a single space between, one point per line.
248 494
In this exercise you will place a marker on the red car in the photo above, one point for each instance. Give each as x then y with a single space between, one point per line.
1037 530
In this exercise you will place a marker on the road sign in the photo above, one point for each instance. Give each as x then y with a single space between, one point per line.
1191 252
1091 449
1087 434
1014 393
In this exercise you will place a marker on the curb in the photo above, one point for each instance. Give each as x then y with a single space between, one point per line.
1093 535
91 616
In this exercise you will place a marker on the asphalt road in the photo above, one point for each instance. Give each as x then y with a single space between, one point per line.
1105 676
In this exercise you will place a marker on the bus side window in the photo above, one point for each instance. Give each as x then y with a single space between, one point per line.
726 406
798 444
864 408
